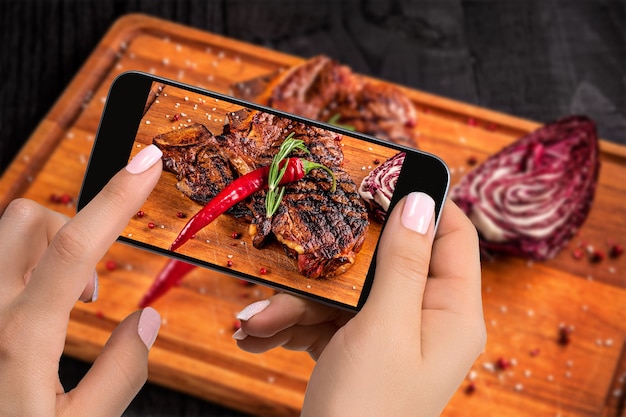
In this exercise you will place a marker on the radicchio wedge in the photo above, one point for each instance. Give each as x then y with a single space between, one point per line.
378 186
530 198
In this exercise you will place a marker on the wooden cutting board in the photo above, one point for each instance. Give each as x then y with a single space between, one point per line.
525 303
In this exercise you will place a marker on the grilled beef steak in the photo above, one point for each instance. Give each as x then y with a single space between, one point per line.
252 138
323 230
194 155
322 89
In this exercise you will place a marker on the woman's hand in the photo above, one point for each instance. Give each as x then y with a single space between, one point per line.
406 352
47 263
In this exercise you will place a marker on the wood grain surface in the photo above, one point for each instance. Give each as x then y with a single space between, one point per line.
525 303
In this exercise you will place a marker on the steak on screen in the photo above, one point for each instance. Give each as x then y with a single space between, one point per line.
323 231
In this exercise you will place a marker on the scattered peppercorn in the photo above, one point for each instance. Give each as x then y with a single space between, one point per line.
229 263
577 254
503 363
110 265
565 335
472 160
181 215
151 225
263 270
616 251
65 199
176 117
141 213
376 161
235 235
596 256
470 388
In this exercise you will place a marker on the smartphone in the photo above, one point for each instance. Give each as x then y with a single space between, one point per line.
320 242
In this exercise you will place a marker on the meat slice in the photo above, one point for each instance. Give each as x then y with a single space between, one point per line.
322 89
322 230
252 138
194 155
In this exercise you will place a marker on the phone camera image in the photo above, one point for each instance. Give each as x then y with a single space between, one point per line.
263 195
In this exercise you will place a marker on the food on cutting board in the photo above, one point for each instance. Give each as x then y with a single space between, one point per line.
321 220
322 89
378 186
531 198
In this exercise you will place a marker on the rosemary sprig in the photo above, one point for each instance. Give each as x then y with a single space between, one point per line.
274 191
334 120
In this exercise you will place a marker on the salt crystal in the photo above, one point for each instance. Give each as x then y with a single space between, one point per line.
488 366
519 387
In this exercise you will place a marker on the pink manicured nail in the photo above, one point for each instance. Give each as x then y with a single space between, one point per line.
252 310
148 327
418 212
94 295
239 335
144 159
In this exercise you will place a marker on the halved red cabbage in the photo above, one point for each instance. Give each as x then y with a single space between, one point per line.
530 198
378 186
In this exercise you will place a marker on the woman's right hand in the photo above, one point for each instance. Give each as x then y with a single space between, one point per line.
406 352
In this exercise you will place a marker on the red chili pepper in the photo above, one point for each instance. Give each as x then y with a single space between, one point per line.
239 190
173 273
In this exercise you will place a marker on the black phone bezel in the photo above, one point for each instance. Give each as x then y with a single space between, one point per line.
119 124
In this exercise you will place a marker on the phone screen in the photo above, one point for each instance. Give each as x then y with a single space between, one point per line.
321 239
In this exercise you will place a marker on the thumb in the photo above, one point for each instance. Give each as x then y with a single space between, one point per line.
403 258
120 371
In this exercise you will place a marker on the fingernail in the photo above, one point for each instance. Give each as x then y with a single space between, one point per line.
418 212
94 295
144 159
252 310
239 335
148 327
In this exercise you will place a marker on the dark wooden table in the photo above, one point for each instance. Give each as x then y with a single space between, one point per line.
535 59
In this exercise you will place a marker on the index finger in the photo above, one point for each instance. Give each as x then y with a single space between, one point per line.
68 264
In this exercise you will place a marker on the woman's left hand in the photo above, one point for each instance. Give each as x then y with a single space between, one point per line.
47 263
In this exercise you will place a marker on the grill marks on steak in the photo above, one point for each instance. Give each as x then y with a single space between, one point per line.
322 230
321 88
